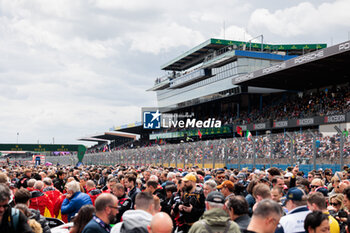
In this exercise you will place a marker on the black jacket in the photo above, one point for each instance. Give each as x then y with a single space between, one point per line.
124 204
132 194
59 184
7 226
40 219
197 200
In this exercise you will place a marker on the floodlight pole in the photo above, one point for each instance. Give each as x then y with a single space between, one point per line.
313 147
271 151
291 149
254 154
341 151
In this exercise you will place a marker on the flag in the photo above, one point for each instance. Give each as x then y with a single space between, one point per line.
248 135
199 134
239 131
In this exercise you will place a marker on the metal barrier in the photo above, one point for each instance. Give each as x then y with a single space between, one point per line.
309 149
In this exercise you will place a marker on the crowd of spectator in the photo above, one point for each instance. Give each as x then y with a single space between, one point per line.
295 106
264 148
123 198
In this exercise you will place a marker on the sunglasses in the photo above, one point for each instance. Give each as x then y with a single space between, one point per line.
333 203
314 186
5 206
221 177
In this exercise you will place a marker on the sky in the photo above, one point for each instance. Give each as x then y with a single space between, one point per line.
75 68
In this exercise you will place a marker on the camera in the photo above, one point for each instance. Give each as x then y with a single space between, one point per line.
342 214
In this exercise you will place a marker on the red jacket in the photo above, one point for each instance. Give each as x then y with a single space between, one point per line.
57 209
93 194
52 193
40 201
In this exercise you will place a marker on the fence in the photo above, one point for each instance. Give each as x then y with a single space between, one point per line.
310 150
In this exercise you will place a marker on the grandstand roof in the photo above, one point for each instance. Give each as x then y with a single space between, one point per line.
320 68
198 53
117 137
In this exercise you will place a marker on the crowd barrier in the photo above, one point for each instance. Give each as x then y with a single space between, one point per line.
310 150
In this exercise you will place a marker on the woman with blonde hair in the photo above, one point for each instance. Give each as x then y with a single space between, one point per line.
336 204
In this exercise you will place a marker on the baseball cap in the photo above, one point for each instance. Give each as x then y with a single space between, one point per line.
190 177
226 184
207 177
294 194
216 197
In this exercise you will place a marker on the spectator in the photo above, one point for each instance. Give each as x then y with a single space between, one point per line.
137 220
83 217
276 194
23 182
193 202
11 220
22 196
152 187
209 186
214 219
227 188
40 201
220 177
265 217
51 191
130 184
106 209
161 223
92 191
316 222
58 182
74 200
34 225
124 202
295 203
317 202
238 210
336 204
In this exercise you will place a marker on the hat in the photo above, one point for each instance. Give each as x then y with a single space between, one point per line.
322 190
207 177
226 184
216 197
190 177
288 174
294 194
241 176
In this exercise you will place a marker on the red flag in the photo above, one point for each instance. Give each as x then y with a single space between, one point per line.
239 131
199 134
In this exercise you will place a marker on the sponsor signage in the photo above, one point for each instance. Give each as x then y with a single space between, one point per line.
318 120
334 119
280 124
259 126
313 56
305 121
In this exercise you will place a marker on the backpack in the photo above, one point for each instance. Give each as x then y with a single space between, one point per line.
15 218
227 228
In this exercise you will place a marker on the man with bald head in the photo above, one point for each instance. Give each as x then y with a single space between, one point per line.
161 223
106 206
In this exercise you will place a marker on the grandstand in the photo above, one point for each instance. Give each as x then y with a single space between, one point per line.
257 87
268 90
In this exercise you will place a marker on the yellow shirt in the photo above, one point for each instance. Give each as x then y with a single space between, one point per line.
333 223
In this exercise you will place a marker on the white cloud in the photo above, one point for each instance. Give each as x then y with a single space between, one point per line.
164 37
303 19
73 68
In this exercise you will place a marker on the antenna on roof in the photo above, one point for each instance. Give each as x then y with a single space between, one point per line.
224 31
